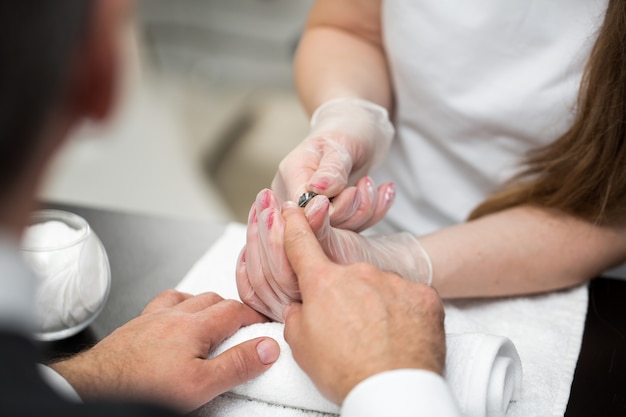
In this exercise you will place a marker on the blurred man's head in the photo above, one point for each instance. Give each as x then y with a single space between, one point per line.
58 66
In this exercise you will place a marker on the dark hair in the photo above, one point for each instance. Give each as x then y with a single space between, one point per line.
583 173
38 39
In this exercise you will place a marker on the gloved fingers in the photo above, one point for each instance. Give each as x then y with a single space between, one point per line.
372 206
341 246
344 205
271 232
254 267
299 166
385 195
295 171
269 255
266 199
365 209
246 292
268 209
320 164
335 166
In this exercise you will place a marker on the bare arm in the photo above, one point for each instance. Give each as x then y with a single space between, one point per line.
341 75
519 251
341 54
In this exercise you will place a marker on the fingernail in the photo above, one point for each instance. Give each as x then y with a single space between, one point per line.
370 188
270 219
356 202
265 200
268 351
390 194
320 186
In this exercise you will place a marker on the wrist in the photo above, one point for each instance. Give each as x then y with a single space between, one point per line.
356 119
403 254
81 375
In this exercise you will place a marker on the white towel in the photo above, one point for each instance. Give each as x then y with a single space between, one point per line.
484 373
546 330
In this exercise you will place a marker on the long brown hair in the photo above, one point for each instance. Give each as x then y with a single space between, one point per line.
583 173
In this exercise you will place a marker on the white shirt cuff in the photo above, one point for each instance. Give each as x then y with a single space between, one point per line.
401 393
59 384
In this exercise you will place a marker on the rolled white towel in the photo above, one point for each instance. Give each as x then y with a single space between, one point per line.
484 373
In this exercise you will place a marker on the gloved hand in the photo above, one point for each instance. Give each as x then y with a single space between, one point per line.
265 279
348 136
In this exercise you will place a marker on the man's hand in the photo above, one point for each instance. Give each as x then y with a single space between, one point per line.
161 356
355 321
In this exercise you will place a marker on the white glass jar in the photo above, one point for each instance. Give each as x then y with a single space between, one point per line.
72 269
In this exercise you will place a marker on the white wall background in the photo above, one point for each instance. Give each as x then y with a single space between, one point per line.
206 113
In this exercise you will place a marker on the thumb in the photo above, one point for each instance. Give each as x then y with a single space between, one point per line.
301 246
242 362
292 317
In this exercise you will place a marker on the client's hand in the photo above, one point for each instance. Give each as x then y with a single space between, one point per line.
356 321
161 356
265 279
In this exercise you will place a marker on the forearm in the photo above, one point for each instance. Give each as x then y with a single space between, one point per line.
341 55
520 251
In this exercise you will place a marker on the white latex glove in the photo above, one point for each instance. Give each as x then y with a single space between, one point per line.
348 136
265 279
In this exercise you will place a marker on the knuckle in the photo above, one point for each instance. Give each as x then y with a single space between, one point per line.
211 297
171 295
241 364
364 270
431 301
292 239
231 305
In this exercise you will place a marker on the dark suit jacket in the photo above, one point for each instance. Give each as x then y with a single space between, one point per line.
23 393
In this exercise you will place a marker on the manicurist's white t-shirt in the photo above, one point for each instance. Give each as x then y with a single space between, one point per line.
477 84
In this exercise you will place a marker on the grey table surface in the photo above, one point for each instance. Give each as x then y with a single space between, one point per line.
147 255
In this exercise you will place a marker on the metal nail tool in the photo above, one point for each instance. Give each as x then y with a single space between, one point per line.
305 198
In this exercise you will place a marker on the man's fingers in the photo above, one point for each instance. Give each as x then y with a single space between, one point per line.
168 298
317 214
241 363
301 246
199 302
232 315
